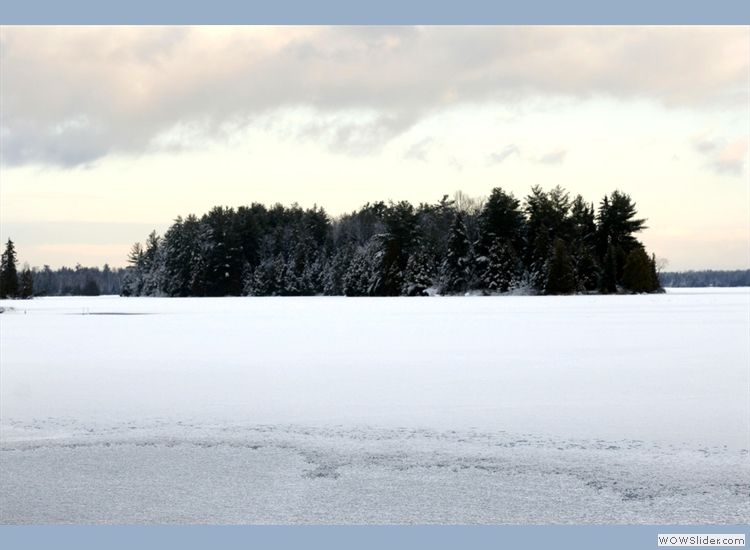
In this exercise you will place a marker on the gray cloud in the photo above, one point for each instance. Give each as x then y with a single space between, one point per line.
419 150
72 95
354 136
497 158
723 158
553 157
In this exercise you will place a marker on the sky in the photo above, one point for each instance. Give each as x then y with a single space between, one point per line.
107 133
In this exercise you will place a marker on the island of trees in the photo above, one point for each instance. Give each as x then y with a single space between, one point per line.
545 244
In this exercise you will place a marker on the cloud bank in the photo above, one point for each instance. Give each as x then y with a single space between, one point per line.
73 95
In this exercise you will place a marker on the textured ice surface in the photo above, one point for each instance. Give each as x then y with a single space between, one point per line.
583 409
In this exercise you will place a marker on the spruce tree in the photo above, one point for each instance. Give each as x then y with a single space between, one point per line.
9 287
560 274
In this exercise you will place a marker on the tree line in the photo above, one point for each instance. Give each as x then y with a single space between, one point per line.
78 281
546 243
706 278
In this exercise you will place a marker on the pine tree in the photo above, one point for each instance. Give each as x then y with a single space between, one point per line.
583 221
456 267
560 274
616 225
9 287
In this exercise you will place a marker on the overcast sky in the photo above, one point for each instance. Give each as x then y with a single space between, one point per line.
109 131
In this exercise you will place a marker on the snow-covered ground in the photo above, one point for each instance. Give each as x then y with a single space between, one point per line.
579 409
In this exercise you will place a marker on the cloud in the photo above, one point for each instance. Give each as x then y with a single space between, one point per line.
419 150
498 158
72 95
553 157
723 158
731 159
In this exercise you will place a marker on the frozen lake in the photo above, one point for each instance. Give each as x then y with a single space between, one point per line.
576 409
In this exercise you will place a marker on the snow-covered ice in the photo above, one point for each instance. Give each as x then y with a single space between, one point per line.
510 409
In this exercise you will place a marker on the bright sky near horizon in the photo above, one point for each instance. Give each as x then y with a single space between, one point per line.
109 132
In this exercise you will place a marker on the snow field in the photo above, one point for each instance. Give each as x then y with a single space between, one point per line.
517 409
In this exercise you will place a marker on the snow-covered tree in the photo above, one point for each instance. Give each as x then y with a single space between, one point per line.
503 266
457 266
420 274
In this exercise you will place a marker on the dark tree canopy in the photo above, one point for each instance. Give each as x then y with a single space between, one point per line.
548 244
560 273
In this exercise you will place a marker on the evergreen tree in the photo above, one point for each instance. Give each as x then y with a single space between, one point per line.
616 225
363 276
637 276
539 257
132 282
153 268
583 221
314 277
546 211
655 279
9 287
336 269
585 265
91 288
502 220
420 274
503 267
560 274
433 227
394 247
456 267
607 279
223 262
26 289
